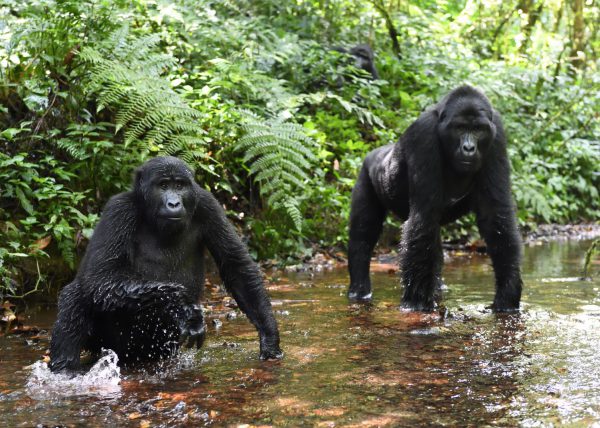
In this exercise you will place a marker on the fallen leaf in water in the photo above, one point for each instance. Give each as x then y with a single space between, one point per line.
134 415
384 267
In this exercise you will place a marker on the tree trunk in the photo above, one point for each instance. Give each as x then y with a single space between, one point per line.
532 19
578 42
389 24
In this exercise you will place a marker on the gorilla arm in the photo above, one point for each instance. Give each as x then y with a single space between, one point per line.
239 273
496 219
421 245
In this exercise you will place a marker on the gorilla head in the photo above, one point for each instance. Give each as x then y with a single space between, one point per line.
165 187
465 128
365 59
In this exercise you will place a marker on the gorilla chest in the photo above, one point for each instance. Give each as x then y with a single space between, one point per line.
456 189
457 200
179 260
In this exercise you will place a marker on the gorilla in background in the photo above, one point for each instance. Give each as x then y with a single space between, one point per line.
138 286
364 58
452 160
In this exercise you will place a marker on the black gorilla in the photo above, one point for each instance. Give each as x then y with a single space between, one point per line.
364 58
137 289
450 161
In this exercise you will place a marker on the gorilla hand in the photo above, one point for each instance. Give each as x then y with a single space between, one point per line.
269 347
193 329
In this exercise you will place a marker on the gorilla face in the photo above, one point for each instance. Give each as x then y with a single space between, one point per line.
166 192
466 131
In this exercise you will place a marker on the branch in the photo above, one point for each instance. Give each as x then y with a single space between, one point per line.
389 24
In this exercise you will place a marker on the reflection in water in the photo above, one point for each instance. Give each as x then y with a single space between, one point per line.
355 365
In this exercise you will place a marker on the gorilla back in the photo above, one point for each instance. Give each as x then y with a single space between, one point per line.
138 287
452 160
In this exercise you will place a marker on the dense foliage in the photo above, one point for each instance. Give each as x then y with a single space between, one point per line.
275 122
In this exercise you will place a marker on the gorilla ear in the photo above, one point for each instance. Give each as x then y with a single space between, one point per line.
441 115
138 179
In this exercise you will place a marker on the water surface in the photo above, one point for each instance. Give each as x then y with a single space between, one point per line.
352 365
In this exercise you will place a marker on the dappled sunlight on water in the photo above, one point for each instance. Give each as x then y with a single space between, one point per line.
355 365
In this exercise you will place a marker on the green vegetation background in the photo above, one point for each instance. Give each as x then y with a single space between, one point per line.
275 122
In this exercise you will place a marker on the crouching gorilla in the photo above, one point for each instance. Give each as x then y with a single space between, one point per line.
138 286
452 160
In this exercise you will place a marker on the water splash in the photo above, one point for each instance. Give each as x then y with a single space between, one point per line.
170 368
103 379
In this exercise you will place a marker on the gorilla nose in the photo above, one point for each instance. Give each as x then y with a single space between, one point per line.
468 146
469 149
174 208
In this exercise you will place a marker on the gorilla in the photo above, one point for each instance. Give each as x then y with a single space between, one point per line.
364 58
452 160
139 283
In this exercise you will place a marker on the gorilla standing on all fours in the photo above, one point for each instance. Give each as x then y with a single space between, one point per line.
452 160
138 286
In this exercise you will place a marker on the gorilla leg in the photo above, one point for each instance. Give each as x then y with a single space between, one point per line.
366 221
421 263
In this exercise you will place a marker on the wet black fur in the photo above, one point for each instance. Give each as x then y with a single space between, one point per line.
418 179
137 289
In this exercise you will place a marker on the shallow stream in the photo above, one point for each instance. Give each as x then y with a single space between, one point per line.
351 365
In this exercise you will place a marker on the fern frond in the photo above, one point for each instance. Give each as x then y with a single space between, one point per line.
279 155
72 147
126 76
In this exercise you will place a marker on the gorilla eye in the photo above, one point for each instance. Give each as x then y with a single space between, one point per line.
179 185
163 185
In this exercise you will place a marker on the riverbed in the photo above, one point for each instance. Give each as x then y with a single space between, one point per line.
349 364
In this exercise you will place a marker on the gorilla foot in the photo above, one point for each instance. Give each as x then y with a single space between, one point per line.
503 307
360 297
271 354
360 294
194 330
269 348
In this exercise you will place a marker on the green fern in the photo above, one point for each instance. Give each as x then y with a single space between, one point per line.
126 75
279 155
